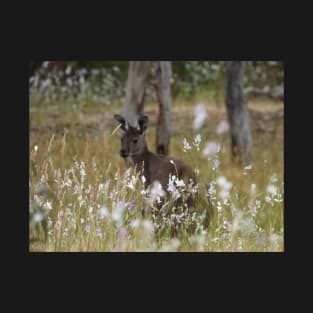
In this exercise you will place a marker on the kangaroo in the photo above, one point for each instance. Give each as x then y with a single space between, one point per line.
154 167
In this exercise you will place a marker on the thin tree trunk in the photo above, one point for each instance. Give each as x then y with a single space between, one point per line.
135 90
238 114
164 99
135 94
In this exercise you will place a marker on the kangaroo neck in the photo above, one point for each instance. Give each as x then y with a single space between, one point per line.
141 157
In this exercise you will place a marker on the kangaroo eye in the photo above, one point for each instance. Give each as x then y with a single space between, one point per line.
135 141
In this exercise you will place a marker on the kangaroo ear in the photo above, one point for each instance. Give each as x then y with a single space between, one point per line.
121 120
143 122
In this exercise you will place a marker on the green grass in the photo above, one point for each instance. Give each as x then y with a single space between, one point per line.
70 211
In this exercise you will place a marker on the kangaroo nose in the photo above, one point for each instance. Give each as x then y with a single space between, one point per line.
124 153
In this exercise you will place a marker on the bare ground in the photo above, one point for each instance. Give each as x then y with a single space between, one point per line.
265 118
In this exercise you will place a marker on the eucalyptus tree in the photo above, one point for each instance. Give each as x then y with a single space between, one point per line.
238 114
135 96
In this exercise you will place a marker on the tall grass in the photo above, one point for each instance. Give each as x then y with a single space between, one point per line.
83 198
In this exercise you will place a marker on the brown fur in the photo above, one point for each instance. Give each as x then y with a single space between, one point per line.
153 167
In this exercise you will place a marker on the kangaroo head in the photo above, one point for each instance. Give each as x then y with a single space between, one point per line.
133 138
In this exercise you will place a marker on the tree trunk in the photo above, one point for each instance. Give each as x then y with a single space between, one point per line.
135 90
135 94
238 114
164 99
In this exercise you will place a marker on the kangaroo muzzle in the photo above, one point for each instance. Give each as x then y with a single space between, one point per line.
124 153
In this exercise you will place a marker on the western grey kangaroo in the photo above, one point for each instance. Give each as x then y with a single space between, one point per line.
154 167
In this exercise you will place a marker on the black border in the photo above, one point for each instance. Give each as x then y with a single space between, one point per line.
170 269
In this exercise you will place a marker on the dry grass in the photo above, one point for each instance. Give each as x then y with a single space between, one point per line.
79 212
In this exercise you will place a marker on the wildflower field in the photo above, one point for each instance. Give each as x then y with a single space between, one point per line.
83 198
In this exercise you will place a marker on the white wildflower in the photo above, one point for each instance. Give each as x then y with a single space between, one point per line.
58 224
100 187
224 194
267 199
99 233
253 210
247 226
68 183
228 185
224 183
225 186
81 200
135 223
222 127
68 70
156 191
253 188
48 205
147 225
94 165
211 147
232 208
132 183
38 217
143 179
171 183
274 178
82 81
88 189
226 202
219 207
216 163
200 116
122 234
212 189
68 211
43 179
275 239
76 189
197 171
186 145
272 189
127 172
180 183
237 219
118 211
197 142
82 173
107 184
104 211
